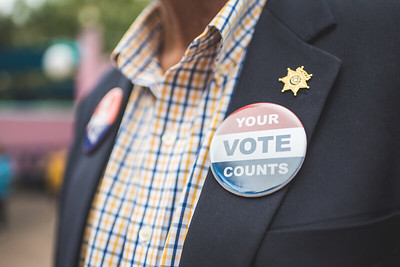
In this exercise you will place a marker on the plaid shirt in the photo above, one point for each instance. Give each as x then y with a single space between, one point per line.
146 199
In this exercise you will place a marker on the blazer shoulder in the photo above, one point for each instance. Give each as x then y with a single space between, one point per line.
109 81
86 106
369 10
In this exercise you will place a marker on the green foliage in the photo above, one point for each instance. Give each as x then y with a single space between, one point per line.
7 30
61 20
117 16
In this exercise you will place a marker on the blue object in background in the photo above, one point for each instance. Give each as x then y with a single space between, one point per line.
6 174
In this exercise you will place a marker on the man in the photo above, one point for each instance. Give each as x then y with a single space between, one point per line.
138 189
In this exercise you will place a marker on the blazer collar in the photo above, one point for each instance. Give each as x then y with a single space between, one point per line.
226 229
306 19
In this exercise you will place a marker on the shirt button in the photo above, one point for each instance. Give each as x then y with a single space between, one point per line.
145 234
168 138
220 69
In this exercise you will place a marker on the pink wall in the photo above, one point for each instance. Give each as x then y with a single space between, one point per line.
30 134
33 128
33 133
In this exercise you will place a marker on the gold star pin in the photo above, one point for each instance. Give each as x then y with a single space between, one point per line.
295 80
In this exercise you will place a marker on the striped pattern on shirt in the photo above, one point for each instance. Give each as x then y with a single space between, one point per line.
151 184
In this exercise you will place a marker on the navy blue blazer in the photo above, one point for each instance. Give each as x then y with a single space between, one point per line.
343 207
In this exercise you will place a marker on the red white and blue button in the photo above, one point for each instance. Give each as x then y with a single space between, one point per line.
102 119
258 149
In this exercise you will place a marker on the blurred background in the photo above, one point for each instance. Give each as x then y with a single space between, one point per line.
52 52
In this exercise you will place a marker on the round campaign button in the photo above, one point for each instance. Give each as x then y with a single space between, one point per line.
258 149
102 119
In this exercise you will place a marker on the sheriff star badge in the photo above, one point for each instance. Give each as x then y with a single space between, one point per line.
295 80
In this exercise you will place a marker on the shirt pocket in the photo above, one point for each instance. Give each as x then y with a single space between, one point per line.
367 242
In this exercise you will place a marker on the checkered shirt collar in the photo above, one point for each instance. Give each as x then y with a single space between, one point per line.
139 47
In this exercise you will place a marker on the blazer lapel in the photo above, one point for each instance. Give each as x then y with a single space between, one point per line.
226 229
83 179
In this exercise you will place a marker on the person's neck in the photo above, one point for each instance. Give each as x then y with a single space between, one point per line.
183 21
